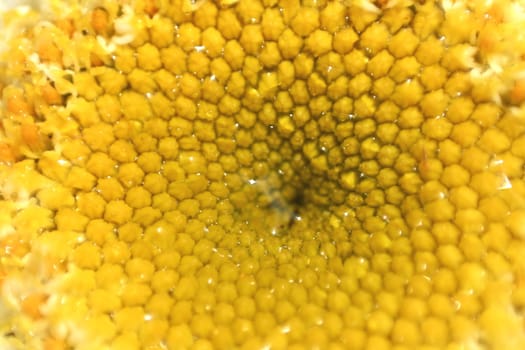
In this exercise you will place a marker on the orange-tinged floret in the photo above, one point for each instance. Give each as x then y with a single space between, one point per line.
33 138
100 21
54 344
32 304
47 49
51 95
7 153
517 94
13 246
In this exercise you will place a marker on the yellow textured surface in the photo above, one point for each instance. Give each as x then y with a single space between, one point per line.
263 174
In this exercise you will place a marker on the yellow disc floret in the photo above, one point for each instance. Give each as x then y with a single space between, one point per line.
262 174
